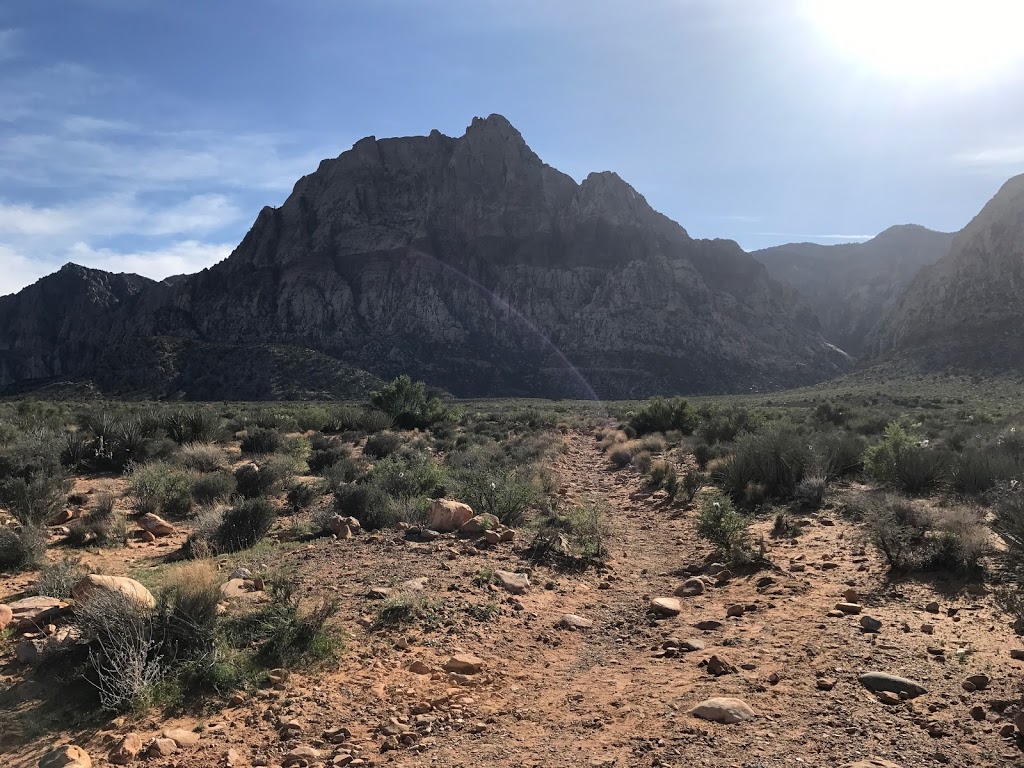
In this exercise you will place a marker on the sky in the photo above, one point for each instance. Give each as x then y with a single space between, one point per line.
145 136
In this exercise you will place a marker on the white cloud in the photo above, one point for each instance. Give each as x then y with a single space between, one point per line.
996 158
804 236
18 270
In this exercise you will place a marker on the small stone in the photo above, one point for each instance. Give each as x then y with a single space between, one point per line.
870 624
446 515
162 748
68 756
155 525
932 607
928 629
181 737
690 644
978 713
232 759
718 667
690 588
871 762
573 622
883 681
723 710
734 610
708 625
825 684
665 606
126 750
977 682
420 668
478 524
851 596
516 583
889 698
797 567
849 608
492 537
1017 654
6 617
464 664
835 614
764 582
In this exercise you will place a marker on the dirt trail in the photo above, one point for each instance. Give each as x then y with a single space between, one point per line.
606 696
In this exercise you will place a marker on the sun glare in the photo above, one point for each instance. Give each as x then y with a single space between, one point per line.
962 41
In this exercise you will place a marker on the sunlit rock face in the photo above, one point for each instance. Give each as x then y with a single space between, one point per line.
471 264
967 310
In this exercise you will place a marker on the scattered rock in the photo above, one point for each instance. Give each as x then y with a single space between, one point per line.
851 596
300 757
932 607
96 583
339 526
232 759
849 608
764 582
29 650
718 667
31 612
883 681
723 710
734 610
977 682
889 698
155 524
870 624
690 644
69 756
464 664
419 667
690 588
446 515
871 762
708 625
825 684
379 593
928 629
516 583
232 589
478 524
414 585
492 537
126 750
978 713
181 737
1017 654
162 747
572 621
665 606
6 616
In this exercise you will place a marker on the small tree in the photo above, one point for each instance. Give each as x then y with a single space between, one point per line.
409 404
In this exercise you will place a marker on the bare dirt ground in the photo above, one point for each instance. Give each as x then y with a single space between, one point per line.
608 695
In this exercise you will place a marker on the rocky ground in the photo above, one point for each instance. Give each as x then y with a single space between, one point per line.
590 667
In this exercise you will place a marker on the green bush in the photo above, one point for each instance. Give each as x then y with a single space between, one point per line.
56 579
880 458
508 494
693 482
810 492
382 444
243 526
409 404
366 502
775 461
839 454
213 486
663 415
261 440
720 523
22 548
193 425
915 538
160 487
201 457
301 495
979 469
919 470
724 425
254 480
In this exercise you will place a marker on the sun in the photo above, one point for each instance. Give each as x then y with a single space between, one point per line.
953 41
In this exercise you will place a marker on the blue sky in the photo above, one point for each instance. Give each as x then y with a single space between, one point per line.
138 135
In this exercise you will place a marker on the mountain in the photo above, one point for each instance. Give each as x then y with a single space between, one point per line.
850 286
967 310
467 262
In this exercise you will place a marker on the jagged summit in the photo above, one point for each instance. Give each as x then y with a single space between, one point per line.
467 262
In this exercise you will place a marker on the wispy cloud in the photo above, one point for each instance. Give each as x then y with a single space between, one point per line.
9 43
996 158
805 236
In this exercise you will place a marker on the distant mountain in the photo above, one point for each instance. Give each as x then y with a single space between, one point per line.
967 310
853 285
466 262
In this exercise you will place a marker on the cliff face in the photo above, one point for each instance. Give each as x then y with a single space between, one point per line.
967 310
853 285
470 263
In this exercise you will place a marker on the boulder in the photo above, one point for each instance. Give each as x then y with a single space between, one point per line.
464 664
723 710
68 756
665 606
130 588
883 681
690 587
479 524
126 750
339 526
516 583
31 612
446 515
155 524
162 747
61 518
492 537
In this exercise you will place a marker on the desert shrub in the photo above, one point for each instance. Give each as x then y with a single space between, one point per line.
311 417
372 421
56 579
917 538
187 612
284 635
213 486
403 608
775 460
301 495
192 425
918 470
201 457
101 526
1011 442
724 425
160 487
120 632
243 526
261 440
839 454
720 523
1010 522
77 450
410 476
508 494
979 469
382 444
830 413
326 453
663 415
702 454
692 482
409 404
660 470
366 502
34 499
347 470
642 461
23 547
880 458
621 455
810 492
254 480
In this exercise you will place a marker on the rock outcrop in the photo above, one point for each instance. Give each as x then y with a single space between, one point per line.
966 311
851 286
466 262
